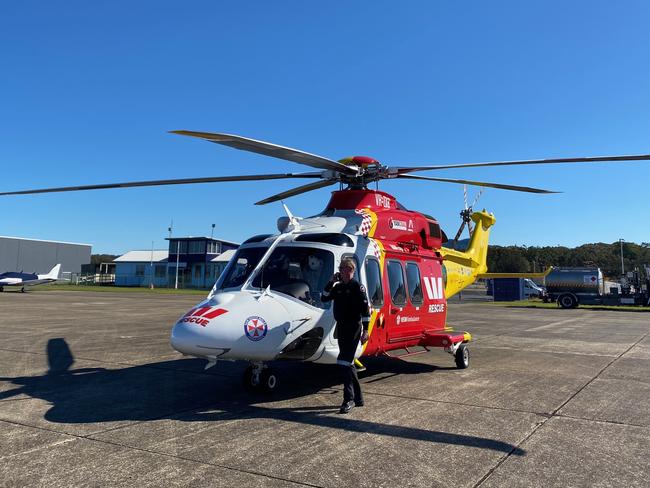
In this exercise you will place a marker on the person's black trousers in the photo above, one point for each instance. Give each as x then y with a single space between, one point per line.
351 386
348 343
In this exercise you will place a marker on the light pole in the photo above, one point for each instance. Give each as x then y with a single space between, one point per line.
178 251
151 268
169 229
212 232
621 241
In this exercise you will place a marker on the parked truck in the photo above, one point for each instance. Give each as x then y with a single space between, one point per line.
570 287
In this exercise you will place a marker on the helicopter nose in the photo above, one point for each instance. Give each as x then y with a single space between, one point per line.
232 326
191 335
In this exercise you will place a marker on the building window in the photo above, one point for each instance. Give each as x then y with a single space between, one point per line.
161 271
218 268
196 247
177 246
197 272
139 270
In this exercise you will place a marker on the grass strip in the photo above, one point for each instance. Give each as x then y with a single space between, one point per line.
540 304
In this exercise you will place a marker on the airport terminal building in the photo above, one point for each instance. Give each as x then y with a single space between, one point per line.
37 256
189 262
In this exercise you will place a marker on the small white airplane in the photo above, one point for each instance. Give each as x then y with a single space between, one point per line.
22 280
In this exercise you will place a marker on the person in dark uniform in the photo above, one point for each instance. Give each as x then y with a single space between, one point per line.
352 316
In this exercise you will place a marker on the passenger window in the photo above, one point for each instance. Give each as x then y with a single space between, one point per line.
414 283
396 283
373 283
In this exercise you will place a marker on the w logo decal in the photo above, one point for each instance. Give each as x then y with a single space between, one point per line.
435 290
202 315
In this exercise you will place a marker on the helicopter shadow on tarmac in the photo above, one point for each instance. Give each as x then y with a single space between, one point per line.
181 390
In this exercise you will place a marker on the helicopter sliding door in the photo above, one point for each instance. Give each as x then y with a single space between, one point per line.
413 298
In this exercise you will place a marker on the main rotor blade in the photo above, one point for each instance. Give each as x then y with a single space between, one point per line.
598 159
183 181
268 149
296 191
480 183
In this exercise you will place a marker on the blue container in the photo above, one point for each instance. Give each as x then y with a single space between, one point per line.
507 289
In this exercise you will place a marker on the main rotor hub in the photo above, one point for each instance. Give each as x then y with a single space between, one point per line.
360 161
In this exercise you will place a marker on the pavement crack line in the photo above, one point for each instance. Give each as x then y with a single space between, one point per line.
216 465
449 402
36 449
507 456
72 437
601 372
119 363
602 421
555 414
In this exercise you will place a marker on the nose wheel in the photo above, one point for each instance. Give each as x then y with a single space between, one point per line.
259 377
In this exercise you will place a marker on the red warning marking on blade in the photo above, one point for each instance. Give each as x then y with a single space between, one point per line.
215 313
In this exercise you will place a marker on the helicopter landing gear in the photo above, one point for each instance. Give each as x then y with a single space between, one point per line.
462 357
258 377
455 343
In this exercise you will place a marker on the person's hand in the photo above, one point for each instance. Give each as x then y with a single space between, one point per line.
364 337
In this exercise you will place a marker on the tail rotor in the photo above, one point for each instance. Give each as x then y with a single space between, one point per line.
466 214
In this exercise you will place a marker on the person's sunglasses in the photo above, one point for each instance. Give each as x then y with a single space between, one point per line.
345 268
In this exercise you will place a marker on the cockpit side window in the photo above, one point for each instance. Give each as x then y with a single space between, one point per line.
241 266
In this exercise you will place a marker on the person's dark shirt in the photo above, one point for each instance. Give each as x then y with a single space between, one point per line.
350 302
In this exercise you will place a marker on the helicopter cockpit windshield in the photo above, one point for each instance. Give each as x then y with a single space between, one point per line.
300 272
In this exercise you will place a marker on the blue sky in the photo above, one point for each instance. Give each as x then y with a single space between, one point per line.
89 90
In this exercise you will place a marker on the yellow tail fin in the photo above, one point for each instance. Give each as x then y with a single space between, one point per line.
464 267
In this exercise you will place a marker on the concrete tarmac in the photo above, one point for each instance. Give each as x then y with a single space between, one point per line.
91 394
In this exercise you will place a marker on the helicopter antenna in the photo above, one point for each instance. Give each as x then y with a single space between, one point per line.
295 222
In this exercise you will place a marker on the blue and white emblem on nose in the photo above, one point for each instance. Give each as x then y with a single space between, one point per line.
255 328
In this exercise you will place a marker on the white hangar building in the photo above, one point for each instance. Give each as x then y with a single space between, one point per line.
36 256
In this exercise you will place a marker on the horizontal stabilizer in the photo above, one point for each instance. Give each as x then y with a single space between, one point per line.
517 275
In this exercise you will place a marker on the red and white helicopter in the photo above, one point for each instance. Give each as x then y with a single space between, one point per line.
266 306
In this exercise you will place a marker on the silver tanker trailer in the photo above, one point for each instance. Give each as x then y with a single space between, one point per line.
570 287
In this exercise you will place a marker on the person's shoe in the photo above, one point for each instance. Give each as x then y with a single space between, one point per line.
346 407
358 404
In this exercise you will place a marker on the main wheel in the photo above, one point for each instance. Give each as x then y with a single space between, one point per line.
462 357
567 301
268 380
249 380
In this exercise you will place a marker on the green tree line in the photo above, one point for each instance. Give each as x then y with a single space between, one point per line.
516 259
